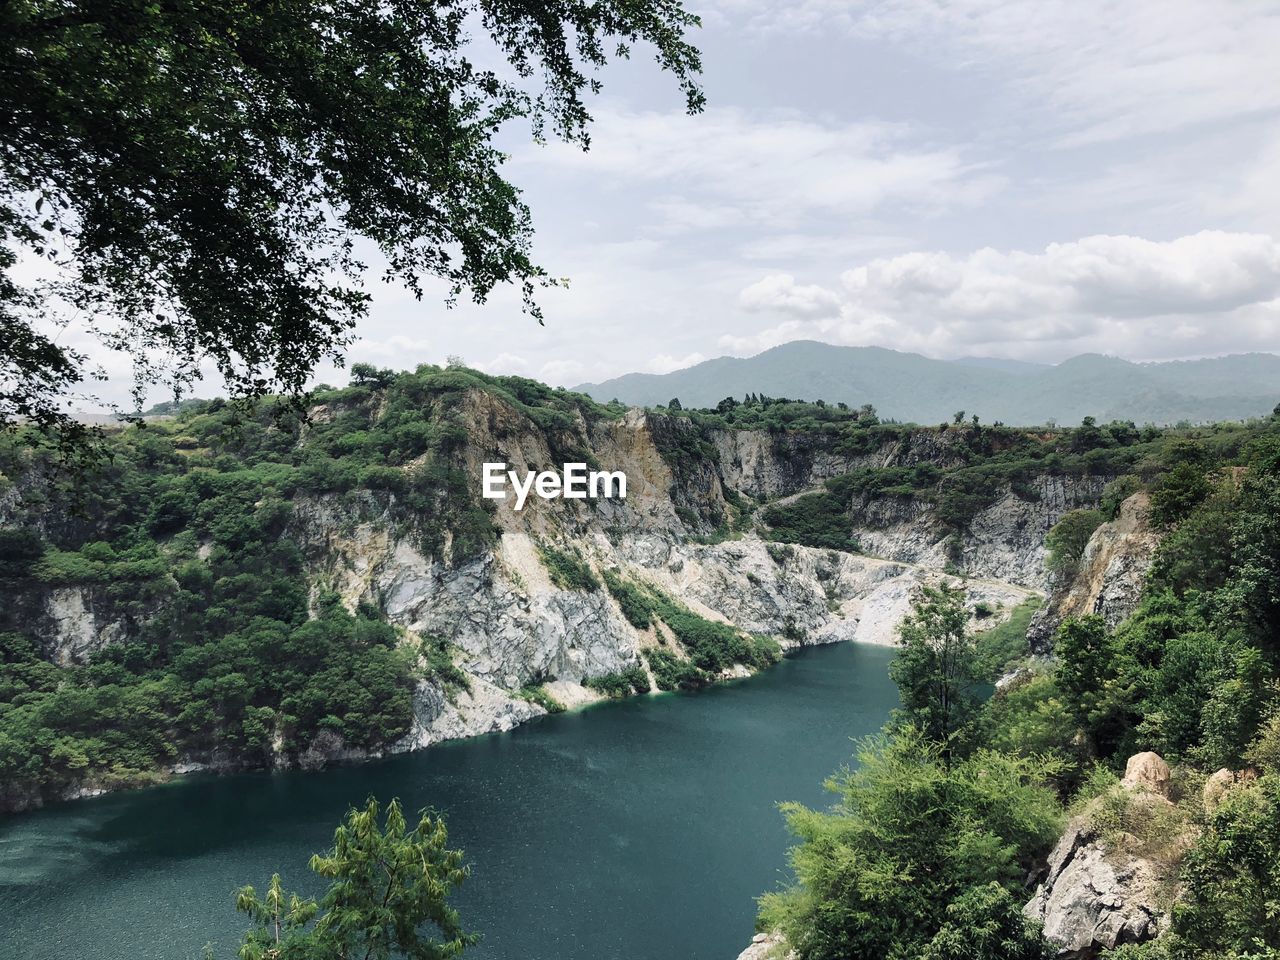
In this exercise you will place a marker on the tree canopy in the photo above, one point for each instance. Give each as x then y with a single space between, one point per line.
195 174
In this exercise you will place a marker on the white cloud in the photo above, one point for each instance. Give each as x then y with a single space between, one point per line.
1204 293
1098 68
729 168
665 363
561 373
779 292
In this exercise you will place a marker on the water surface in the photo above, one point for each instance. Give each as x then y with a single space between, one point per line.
641 830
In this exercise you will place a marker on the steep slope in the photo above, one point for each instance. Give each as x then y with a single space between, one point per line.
271 592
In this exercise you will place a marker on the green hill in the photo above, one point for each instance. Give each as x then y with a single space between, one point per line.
910 387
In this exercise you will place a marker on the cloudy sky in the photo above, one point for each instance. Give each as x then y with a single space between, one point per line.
953 177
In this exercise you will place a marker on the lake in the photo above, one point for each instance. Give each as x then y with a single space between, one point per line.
641 829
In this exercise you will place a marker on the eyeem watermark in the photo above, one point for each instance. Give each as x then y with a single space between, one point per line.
573 483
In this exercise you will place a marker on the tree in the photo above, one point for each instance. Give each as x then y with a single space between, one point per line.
1177 493
911 850
1093 676
986 923
938 672
1068 538
387 897
674 405
196 175
1231 876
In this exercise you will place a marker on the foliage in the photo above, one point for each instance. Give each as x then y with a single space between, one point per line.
937 672
672 673
634 603
986 923
538 694
1068 538
623 683
440 667
1231 876
567 569
1177 493
199 174
1000 646
815 519
387 896
1117 492
911 849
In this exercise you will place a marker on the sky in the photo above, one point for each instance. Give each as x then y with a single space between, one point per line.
951 177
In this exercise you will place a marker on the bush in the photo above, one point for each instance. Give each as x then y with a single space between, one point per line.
815 520
913 845
567 569
636 606
672 673
1117 492
1068 538
536 693
631 680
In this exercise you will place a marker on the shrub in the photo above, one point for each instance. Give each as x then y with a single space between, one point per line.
630 680
815 520
672 673
636 606
536 693
1068 538
567 569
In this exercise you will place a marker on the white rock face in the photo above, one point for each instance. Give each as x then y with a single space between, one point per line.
74 630
486 709
1093 899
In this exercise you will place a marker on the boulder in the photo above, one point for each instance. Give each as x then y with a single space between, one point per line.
1147 771
1094 899
767 946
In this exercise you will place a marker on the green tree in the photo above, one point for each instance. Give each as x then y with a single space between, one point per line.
910 837
1177 493
387 897
1232 879
1068 538
938 671
198 173
986 923
1095 683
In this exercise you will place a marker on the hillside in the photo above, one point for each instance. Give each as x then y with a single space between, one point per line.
242 589
911 388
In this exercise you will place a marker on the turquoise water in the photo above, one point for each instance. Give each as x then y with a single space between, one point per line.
641 830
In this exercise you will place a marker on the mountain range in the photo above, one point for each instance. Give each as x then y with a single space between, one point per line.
911 387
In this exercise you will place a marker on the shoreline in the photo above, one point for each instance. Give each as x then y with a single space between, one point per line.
190 767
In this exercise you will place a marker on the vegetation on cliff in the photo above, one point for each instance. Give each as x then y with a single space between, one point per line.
191 538
1191 674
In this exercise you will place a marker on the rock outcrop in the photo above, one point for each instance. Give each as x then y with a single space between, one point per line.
1093 899
767 946
1109 578
1101 893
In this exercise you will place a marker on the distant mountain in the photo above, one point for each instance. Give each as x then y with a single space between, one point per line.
907 386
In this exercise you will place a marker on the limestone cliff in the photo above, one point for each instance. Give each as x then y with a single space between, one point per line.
689 528
1108 580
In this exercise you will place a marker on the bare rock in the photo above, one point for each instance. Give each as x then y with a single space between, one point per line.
1147 771
767 946
1110 576
1096 899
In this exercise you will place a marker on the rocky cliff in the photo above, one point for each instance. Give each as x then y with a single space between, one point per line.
1108 580
388 518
